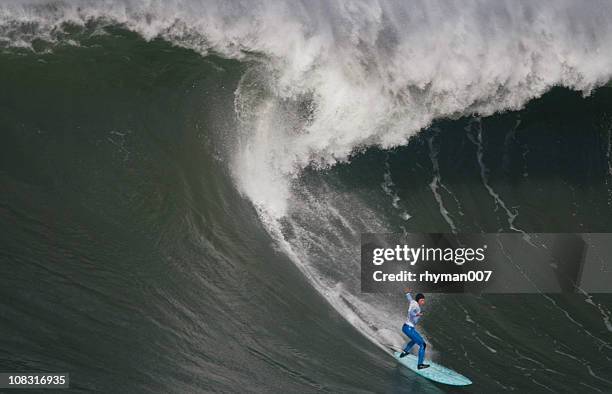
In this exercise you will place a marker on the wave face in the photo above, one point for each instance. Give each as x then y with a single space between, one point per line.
189 181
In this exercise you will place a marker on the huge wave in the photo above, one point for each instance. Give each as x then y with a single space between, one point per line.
324 82
338 77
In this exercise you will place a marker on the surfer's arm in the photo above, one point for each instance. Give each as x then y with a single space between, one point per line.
408 295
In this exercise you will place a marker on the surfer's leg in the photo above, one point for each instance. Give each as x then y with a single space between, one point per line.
422 352
418 339
409 346
407 330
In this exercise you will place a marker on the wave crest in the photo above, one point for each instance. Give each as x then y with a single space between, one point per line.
346 75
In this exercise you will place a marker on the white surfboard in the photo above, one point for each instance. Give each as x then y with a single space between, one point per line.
435 372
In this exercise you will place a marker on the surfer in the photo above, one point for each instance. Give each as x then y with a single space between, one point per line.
409 328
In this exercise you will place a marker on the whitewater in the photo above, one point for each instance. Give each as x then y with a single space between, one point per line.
339 105
336 77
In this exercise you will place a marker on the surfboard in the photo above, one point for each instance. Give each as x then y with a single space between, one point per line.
435 372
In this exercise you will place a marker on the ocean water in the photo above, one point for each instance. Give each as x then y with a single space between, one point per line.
184 185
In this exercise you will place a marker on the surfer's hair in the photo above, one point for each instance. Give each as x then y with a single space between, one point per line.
419 296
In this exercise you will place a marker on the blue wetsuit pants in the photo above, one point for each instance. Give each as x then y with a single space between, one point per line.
415 339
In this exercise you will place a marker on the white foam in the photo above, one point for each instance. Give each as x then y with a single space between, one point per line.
325 227
436 183
375 72
477 140
388 187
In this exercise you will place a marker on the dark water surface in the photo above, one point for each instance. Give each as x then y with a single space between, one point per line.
130 259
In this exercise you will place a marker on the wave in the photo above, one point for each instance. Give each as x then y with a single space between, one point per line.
321 83
346 75
327 80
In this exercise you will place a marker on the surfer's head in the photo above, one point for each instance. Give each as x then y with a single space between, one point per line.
420 298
